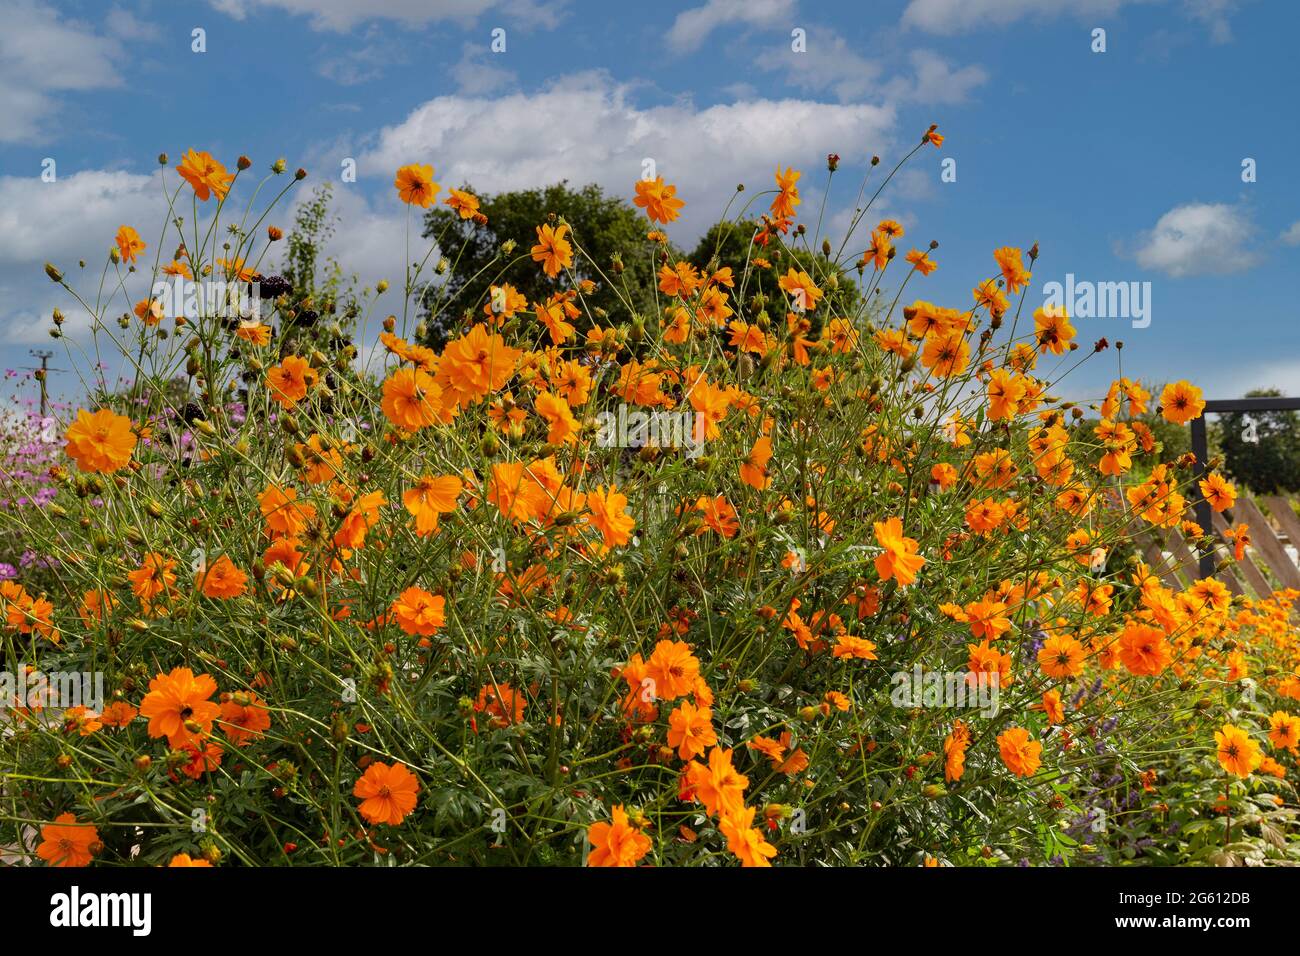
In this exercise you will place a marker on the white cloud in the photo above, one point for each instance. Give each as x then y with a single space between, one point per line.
341 15
126 25
1214 14
42 53
1292 234
692 27
948 17
56 221
832 65
934 81
476 73
365 60
956 16
1199 239
585 128
828 63
62 222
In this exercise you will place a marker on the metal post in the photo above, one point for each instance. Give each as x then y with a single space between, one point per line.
1204 517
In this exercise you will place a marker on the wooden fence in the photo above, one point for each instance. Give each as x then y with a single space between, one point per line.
1271 561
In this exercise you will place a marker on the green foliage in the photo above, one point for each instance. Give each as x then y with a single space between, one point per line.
1270 465
312 273
604 227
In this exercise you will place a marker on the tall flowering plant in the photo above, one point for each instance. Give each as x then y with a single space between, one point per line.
879 603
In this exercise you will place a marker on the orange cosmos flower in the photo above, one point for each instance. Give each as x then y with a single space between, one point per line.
290 380
987 660
800 287
1005 391
84 721
475 364
556 412
387 792
254 333
552 250
1181 402
118 714
690 730
1061 657
466 204
1053 330
149 311
921 262
177 706
1021 755
607 513
987 618
184 860
1144 650
945 476
1238 754
153 578
673 669
94 605
1052 708
616 843
954 751
204 757
717 784
243 717
221 579
719 516
363 516
946 355
415 185
65 842
753 470
854 647
899 559
101 441
1284 731
502 703
205 175
1219 492
787 196
419 612
282 512
412 399
129 243
1013 271
744 839
657 199
431 497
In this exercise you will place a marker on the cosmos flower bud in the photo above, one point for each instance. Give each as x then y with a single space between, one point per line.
54 274
274 233
278 166
243 162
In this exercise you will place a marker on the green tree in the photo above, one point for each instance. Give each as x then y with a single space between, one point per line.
604 227
312 274
1261 450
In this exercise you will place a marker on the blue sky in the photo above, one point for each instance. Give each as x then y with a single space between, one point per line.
1125 166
